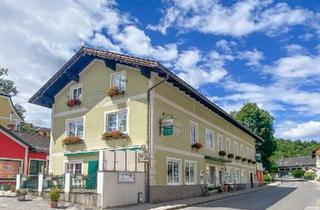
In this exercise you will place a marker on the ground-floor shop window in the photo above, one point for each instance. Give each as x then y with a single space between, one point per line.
190 172
173 171
74 168
237 176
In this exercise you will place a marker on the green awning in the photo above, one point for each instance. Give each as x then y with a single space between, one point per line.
82 153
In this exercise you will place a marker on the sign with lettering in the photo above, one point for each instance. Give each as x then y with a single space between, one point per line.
9 169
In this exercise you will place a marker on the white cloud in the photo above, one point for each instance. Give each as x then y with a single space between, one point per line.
198 69
295 49
305 130
39 37
253 57
239 19
296 66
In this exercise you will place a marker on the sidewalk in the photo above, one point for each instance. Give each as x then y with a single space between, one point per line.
177 204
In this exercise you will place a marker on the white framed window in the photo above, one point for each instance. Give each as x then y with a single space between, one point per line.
74 127
117 121
209 138
237 176
193 133
228 145
76 92
173 171
118 80
190 171
220 142
73 167
236 148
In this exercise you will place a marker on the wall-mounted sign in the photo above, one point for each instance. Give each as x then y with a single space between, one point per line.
9 169
170 125
126 177
258 157
143 157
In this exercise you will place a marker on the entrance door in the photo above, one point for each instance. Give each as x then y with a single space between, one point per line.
212 175
91 182
251 180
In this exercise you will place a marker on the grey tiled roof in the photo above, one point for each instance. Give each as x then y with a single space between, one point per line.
296 161
40 143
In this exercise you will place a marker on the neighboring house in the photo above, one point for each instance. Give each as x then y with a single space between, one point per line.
23 153
152 111
8 113
316 157
286 165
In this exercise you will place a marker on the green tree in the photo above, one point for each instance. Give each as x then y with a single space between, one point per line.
6 85
259 122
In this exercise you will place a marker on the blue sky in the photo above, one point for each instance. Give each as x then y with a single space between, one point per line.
234 52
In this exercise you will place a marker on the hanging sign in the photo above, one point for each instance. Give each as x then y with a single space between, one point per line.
167 125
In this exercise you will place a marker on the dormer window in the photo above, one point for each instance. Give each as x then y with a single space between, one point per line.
118 80
76 92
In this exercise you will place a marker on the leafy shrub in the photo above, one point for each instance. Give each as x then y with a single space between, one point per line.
309 175
298 173
266 178
54 194
21 192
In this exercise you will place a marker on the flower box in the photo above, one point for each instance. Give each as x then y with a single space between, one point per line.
244 159
230 155
222 153
238 157
114 91
73 102
72 140
113 135
197 145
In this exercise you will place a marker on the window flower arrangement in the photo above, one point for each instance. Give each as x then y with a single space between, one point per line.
114 91
71 140
230 155
113 135
222 153
73 102
197 145
249 161
254 162
238 157
244 159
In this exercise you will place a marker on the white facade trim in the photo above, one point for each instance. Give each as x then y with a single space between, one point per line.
177 151
125 99
62 114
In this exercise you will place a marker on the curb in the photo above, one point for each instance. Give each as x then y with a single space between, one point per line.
216 199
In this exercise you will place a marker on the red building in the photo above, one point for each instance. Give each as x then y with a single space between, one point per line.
21 152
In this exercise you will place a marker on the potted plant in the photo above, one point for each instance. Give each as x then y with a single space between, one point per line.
21 194
244 159
249 161
54 196
114 91
230 155
222 153
113 135
71 140
73 102
197 145
238 157
254 162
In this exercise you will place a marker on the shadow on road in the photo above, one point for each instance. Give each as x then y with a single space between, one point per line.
259 200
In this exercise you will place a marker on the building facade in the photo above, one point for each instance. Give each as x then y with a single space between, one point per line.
8 113
104 101
22 153
287 165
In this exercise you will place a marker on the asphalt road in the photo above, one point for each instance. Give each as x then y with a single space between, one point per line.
286 196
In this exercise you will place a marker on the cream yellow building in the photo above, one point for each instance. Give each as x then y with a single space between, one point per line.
8 114
103 101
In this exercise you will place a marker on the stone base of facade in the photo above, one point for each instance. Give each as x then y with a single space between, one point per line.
160 193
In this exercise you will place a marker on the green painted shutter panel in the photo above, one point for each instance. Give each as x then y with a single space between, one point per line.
92 174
